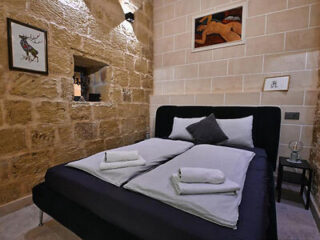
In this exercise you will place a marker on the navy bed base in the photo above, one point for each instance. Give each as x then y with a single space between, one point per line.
89 225
78 219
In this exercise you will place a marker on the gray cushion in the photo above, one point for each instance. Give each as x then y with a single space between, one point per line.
207 131
179 130
238 131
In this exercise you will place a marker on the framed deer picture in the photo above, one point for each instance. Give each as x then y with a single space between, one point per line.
222 27
27 45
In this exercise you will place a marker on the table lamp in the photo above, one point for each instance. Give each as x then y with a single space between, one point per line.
295 147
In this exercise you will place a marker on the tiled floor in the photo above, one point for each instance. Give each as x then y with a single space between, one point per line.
23 225
294 223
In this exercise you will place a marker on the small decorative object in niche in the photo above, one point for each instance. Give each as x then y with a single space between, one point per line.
89 79
276 83
295 147
77 86
221 28
27 47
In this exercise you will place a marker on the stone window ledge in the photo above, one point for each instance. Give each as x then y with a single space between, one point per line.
78 103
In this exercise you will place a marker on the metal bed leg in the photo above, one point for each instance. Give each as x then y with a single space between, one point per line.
40 218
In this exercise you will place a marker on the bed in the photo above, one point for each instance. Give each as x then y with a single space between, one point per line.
95 209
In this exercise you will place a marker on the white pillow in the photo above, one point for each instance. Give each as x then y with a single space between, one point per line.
179 130
238 131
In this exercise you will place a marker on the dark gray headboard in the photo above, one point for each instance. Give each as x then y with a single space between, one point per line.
266 123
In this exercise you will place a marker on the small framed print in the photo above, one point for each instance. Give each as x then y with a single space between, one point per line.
27 46
221 27
280 83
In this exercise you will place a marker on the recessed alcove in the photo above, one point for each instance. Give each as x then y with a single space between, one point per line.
89 79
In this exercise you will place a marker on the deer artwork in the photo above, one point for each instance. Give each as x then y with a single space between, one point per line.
28 48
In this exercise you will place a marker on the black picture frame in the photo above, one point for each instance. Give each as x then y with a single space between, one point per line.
10 48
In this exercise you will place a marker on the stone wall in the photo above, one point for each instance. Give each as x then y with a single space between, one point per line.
277 43
282 38
315 155
40 125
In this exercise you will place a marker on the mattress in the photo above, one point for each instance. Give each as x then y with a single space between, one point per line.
151 219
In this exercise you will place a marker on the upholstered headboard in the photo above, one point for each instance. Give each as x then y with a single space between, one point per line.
266 122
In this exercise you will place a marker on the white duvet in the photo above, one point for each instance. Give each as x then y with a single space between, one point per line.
221 208
154 151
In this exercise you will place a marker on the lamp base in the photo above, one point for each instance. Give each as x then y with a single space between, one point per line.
294 161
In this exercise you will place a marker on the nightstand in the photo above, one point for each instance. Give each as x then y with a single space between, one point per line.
293 177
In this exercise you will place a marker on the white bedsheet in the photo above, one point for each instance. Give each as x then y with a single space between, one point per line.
154 151
218 208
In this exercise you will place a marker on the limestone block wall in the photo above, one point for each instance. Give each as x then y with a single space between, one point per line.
40 125
315 154
283 38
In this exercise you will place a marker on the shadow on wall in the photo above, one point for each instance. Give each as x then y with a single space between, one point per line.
108 26
91 18
104 21
99 11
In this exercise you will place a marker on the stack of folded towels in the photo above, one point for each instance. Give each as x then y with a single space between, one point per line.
121 159
191 181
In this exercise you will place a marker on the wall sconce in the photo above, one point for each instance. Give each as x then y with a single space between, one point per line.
129 17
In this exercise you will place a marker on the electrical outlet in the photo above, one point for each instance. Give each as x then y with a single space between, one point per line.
292 115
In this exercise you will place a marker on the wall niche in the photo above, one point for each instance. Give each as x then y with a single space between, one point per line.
89 79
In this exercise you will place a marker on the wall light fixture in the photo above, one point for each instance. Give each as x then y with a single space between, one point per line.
129 17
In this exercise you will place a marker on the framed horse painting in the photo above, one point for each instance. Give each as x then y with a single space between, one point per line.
27 46
219 28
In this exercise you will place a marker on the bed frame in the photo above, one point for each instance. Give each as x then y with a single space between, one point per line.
265 131
266 128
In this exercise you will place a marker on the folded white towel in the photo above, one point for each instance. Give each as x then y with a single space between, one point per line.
122 164
181 188
201 175
116 156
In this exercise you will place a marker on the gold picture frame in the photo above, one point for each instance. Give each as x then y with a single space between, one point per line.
276 83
